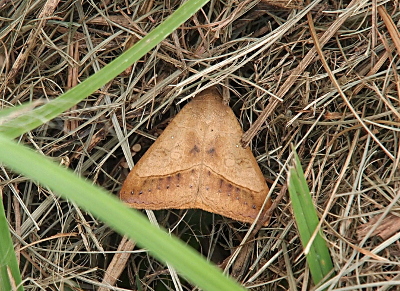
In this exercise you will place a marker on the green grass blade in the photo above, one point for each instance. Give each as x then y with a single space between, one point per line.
10 113
117 215
52 109
318 258
8 261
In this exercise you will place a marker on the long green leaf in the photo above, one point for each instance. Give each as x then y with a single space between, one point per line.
9 270
10 113
306 217
117 215
41 115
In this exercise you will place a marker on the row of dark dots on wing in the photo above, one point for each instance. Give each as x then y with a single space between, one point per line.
165 183
229 189
161 183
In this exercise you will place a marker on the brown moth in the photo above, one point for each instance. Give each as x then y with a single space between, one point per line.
197 162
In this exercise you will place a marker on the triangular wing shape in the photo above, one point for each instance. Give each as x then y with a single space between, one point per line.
197 162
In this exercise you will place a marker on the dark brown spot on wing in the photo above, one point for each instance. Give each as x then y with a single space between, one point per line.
211 151
195 150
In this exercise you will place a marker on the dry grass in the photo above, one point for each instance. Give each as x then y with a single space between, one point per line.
345 126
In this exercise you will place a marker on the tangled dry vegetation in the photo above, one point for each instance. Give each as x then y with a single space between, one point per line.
345 126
